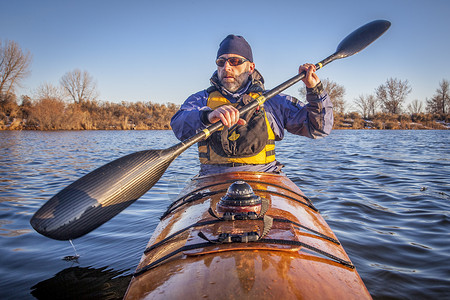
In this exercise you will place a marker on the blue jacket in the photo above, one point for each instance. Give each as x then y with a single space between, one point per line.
313 120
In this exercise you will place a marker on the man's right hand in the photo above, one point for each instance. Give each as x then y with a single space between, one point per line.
229 115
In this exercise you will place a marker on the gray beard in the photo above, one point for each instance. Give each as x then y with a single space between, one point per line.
238 83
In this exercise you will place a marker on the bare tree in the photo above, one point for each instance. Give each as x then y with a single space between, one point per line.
361 103
367 105
80 86
392 94
440 103
373 105
14 66
415 107
334 90
49 91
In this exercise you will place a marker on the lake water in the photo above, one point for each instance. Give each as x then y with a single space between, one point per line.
385 194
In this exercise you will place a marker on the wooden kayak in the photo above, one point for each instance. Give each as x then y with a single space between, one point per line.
275 244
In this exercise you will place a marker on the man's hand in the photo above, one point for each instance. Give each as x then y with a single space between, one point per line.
228 114
311 79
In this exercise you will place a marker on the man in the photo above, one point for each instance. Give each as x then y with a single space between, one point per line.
247 142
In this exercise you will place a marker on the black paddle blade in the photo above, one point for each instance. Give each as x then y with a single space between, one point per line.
100 195
361 38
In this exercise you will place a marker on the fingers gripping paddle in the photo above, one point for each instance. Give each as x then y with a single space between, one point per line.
98 196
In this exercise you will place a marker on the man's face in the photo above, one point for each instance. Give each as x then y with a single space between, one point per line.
234 77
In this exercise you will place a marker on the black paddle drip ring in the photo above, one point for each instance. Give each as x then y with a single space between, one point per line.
240 193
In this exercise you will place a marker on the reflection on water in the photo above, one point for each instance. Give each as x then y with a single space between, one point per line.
385 194
83 283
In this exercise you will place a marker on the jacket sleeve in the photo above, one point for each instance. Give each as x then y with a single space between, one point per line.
313 120
187 121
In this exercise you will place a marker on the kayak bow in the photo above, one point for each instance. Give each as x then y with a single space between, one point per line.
244 235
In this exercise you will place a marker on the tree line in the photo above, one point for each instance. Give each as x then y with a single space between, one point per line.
73 103
56 114
385 108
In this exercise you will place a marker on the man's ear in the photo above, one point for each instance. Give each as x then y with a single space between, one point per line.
252 68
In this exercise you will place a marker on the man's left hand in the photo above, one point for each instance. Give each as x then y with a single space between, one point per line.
311 79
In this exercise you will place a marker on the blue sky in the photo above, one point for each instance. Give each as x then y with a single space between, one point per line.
163 51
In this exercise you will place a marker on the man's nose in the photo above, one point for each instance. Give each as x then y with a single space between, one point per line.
227 66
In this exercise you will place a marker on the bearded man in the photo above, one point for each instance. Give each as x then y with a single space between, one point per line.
247 142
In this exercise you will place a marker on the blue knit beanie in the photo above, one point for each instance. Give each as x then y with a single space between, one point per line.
235 44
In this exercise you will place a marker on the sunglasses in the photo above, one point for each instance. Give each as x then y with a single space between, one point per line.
233 61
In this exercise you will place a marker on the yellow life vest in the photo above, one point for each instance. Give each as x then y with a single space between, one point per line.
253 143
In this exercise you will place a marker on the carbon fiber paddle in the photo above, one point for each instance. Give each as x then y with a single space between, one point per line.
98 196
